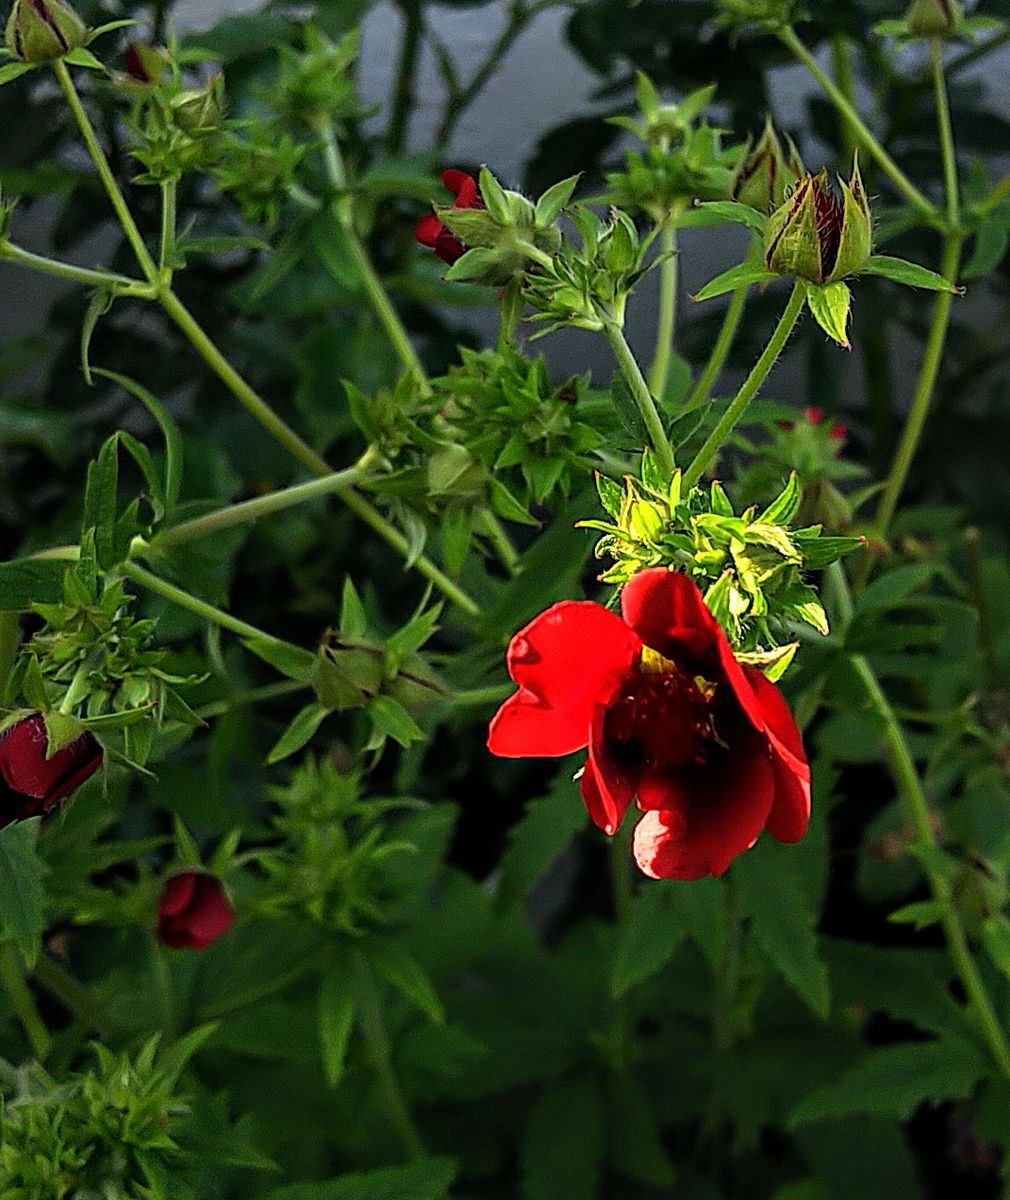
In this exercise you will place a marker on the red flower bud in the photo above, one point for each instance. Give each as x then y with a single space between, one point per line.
32 783
430 231
193 911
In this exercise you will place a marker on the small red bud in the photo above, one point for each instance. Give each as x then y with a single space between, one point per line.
194 911
30 782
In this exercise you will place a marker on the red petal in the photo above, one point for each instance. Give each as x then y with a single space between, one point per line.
26 769
448 247
211 914
564 661
428 229
606 790
668 612
462 186
702 832
177 894
790 813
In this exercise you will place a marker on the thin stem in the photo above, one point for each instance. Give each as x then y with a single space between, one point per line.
169 189
163 988
169 591
500 540
52 266
406 70
866 139
643 397
377 1042
749 388
535 253
928 372
389 318
270 691
946 132
133 235
70 992
21 998
262 506
666 323
720 351
843 77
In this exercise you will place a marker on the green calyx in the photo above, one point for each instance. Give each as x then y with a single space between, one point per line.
817 235
766 172
39 31
933 18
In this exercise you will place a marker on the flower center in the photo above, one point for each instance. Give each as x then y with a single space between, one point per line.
663 714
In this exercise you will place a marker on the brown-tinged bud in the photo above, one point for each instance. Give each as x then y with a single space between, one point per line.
933 18
766 172
818 235
145 64
39 31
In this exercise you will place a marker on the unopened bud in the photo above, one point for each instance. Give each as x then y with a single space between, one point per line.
40 30
145 64
766 172
198 111
933 18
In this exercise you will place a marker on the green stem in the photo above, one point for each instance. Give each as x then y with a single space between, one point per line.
643 397
500 540
866 139
163 988
270 691
21 998
389 319
720 351
71 993
406 70
169 189
133 235
750 387
666 323
51 266
946 133
262 506
377 1042
843 77
924 388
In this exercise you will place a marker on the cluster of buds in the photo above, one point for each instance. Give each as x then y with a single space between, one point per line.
766 172
768 15
490 235
749 566
936 19
39 31
315 84
683 160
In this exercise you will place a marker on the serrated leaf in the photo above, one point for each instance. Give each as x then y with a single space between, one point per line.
654 933
169 431
22 898
910 274
829 303
100 501
895 1080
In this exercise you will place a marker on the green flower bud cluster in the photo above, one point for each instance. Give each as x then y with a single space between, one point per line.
94 666
258 171
817 235
749 566
683 161
588 285
506 231
174 129
766 173
316 83
769 15
39 31
933 18
331 865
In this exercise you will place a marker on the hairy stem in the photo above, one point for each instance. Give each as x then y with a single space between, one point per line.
168 220
720 351
61 270
946 133
749 388
666 324
643 397
859 129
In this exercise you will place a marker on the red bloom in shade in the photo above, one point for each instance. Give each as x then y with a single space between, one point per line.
31 783
431 232
706 745
193 911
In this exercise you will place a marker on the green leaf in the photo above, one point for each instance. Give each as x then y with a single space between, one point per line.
353 622
911 274
337 1011
400 969
897 585
391 719
290 660
493 195
785 505
169 431
551 203
100 501
991 239
82 57
507 506
13 71
299 733
425 1179
22 898
829 303
547 826
996 939
921 914
718 212
563 1144
735 277
24 581
110 27
894 1081
653 935
473 265
772 895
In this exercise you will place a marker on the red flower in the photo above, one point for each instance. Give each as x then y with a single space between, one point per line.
31 783
193 911
706 745
431 232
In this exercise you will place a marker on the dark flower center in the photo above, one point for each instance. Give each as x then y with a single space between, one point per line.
828 214
663 717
